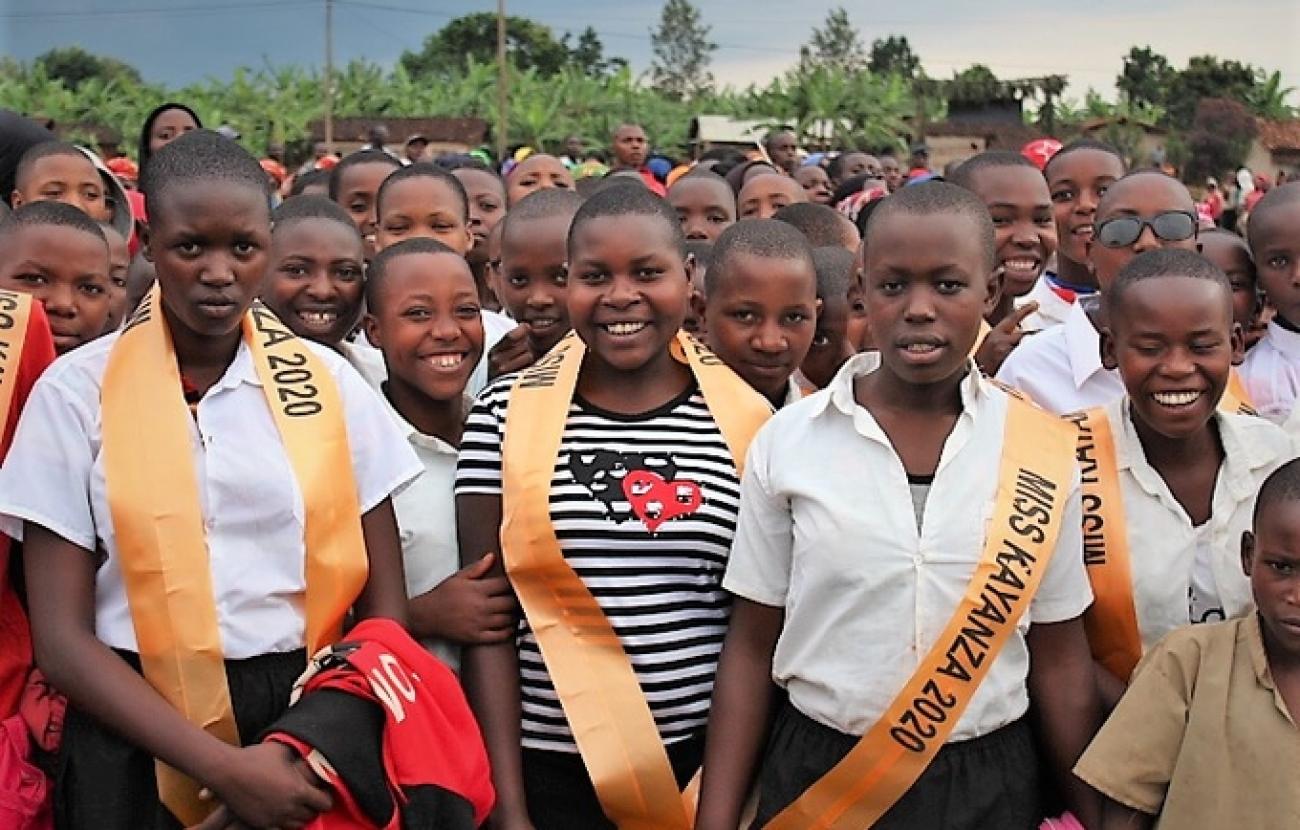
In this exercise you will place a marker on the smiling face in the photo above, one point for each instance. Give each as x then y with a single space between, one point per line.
1271 558
423 206
210 244
66 269
926 288
533 283
705 206
537 172
1173 341
63 177
428 323
1076 182
763 195
487 204
315 281
760 318
1275 242
358 185
1143 195
628 290
1023 226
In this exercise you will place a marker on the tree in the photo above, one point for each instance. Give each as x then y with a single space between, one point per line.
682 51
1208 77
835 46
893 56
1270 98
1220 137
976 85
529 45
1146 77
73 65
588 56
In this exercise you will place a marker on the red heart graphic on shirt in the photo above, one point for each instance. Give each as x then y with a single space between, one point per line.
655 501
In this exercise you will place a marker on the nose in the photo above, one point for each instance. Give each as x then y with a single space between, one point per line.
769 338
321 287
217 272
444 328
1024 234
920 306
694 229
1178 363
620 293
537 298
1146 241
1087 201
59 300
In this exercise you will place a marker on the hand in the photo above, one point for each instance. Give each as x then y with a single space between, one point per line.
267 785
469 607
511 353
1002 338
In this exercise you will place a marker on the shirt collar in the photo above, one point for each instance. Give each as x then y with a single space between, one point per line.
1286 342
413 435
839 392
1083 345
240 370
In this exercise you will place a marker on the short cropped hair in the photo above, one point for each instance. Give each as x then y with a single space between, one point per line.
309 179
1164 262
542 204
964 175
1287 194
200 155
1112 192
297 208
377 270
1281 485
353 160
822 225
765 238
629 199
1084 144
930 198
49 213
835 268
45 149
428 170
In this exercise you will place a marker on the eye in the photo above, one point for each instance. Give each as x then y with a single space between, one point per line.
294 269
397 228
794 318
1064 194
416 313
244 248
92 289
1282 568
890 287
358 207
350 273
593 277
561 279
517 280
1000 221
468 312
744 315
1278 261
949 286
648 273
118 282
30 279
820 340
188 248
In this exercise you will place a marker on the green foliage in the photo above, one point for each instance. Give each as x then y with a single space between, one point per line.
1220 137
73 66
836 46
529 45
682 51
893 56
1146 77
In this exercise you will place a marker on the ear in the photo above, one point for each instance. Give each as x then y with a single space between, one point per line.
1247 552
469 241
371 325
1109 349
993 291
146 238
1237 338
699 305
689 265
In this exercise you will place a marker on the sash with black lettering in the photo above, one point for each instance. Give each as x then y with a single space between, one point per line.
154 499
597 686
15 312
1033 485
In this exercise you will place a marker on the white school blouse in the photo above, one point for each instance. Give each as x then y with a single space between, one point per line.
1052 307
1060 368
1168 556
827 531
1271 373
250 501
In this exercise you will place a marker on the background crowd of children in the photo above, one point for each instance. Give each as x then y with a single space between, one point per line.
882 497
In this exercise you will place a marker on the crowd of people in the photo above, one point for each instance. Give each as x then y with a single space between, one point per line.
771 489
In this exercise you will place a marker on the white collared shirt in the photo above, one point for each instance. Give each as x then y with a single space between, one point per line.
249 498
1052 307
828 532
1060 368
1271 373
1162 542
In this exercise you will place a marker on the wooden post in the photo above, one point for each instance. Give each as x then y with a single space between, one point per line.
329 75
503 80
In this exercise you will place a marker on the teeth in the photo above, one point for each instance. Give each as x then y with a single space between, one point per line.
1176 398
324 318
921 348
1083 230
542 322
624 329
446 361
1022 264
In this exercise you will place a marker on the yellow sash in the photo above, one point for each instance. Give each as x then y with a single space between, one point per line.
15 311
1235 398
1112 619
154 499
1033 483
596 684
985 328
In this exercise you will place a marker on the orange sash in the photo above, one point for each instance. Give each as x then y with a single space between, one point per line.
1235 398
1033 485
15 311
602 699
154 499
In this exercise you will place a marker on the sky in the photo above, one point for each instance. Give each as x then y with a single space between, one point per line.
180 41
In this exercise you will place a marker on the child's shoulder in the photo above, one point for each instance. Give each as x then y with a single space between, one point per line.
1184 652
1045 348
81 371
1263 442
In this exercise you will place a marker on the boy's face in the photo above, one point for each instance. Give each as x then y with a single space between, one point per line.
1143 196
765 194
1174 343
67 271
892 172
533 283
855 164
927 287
831 344
316 279
706 207
487 204
210 244
1271 558
1077 181
537 172
1275 242
628 289
1023 225
784 151
423 206
428 324
119 262
630 146
1230 254
760 318
357 189
65 178
815 183
856 330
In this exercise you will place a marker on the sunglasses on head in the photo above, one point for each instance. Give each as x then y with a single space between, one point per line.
1170 226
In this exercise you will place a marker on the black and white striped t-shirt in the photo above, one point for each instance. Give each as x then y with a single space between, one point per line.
644 508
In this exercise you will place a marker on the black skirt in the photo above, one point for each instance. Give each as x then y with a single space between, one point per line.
987 782
103 782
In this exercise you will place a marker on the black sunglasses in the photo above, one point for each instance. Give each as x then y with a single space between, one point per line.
1170 226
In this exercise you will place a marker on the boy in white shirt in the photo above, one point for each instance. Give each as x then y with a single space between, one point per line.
1271 371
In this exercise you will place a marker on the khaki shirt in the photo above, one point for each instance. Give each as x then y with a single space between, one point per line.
1202 738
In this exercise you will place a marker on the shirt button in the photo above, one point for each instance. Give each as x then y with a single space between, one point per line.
918 558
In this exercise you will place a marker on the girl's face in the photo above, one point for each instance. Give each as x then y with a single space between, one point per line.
428 324
357 190
1076 182
423 206
316 279
537 172
210 243
487 203
168 126
628 289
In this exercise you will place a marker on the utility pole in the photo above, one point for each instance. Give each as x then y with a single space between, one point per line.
329 75
503 79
